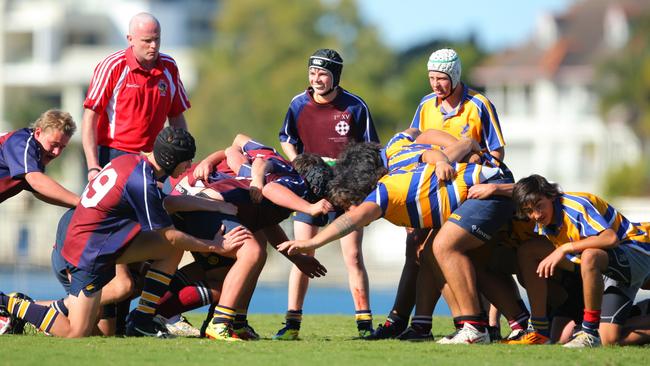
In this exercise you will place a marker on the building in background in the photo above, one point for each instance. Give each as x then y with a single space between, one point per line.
48 51
548 107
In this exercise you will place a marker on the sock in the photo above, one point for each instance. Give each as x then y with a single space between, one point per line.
394 318
421 323
457 323
59 306
477 321
241 319
40 316
109 311
122 311
540 325
186 299
156 284
591 322
520 321
223 314
364 319
293 319
179 281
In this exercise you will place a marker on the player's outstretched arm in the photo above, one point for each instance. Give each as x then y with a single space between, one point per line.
221 244
50 191
350 221
606 239
307 264
283 196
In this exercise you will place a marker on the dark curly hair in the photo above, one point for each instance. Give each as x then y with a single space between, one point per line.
356 173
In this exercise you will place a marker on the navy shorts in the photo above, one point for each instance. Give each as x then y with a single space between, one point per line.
320 220
59 264
89 282
483 218
105 154
204 224
209 261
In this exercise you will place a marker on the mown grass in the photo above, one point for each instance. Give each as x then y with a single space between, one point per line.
326 340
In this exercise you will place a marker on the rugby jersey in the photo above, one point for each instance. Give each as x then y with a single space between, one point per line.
20 154
325 129
133 103
475 117
415 198
579 215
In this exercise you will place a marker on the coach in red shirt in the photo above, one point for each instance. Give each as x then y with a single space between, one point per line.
131 94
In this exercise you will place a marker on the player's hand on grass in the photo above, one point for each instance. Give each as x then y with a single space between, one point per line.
308 265
444 171
546 267
481 191
321 207
292 247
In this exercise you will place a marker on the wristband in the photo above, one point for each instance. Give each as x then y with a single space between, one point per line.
92 169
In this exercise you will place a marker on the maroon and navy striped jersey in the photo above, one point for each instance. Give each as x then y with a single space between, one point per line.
122 200
325 129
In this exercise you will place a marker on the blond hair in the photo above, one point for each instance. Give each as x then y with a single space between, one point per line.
57 120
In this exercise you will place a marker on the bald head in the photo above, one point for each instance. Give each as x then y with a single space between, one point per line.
143 21
144 38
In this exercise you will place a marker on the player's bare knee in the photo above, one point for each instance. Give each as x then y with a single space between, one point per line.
592 259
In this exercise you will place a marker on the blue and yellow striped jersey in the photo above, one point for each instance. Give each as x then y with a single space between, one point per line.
578 215
475 117
415 198
401 152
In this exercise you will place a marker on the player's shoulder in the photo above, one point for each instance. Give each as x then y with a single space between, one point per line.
476 97
352 98
168 61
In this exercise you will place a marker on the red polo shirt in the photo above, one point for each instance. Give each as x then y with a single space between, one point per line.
134 103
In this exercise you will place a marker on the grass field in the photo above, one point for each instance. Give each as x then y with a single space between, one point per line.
326 340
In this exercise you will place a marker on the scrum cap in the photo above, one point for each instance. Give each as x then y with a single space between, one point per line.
172 147
328 60
447 61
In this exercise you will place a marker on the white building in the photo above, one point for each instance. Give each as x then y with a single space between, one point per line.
544 93
48 51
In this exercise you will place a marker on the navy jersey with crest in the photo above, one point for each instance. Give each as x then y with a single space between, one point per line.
325 129
122 200
20 154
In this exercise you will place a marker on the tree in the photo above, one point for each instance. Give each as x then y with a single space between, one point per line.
258 62
624 90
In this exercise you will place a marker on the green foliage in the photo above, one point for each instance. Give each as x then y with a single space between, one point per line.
258 63
326 340
624 93
629 180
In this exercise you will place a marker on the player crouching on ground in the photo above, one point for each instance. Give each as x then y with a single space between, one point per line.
279 190
121 219
612 253
24 154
